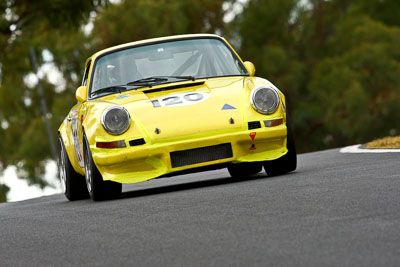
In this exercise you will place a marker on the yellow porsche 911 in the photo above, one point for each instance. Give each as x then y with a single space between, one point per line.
169 106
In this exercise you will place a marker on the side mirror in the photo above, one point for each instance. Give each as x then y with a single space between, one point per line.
250 68
81 94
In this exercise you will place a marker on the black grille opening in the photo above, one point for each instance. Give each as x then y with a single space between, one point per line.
137 142
200 155
254 125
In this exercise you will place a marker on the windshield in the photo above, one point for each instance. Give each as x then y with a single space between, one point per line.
195 58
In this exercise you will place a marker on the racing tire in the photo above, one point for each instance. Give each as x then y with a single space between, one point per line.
286 163
72 183
242 170
98 188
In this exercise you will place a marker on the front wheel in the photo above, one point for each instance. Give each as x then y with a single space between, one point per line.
242 170
286 163
97 187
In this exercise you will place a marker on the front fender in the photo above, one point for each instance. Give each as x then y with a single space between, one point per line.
66 134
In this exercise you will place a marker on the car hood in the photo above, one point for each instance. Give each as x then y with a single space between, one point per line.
194 108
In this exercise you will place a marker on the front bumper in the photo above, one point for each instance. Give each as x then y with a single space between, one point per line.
144 162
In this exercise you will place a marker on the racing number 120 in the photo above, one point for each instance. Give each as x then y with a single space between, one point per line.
178 100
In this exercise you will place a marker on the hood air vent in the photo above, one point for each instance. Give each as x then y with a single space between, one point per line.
173 87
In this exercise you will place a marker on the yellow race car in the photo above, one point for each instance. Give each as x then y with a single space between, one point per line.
168 106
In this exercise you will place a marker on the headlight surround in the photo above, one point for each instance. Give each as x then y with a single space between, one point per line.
115 120
265 99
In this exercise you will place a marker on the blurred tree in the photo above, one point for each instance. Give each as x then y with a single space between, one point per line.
336 60
385 11
129 21
3 192
266 29
357 87
51 26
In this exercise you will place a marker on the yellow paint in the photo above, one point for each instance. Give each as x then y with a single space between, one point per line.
203 123
250 68
81 93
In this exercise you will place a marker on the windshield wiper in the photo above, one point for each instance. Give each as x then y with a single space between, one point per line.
111 89
154 80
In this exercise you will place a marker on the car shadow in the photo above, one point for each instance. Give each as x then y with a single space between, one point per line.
212 182
192 185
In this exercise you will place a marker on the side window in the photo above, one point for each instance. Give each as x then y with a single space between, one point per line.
86 74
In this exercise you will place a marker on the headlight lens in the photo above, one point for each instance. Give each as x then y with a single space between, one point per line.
115 120
264 99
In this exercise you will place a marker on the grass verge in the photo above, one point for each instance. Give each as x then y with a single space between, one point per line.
386 142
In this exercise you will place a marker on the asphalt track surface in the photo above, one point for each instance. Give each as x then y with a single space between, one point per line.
335 210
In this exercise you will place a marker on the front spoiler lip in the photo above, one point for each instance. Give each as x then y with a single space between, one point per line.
116 156
123 165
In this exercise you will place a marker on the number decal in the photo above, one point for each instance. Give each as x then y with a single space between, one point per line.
193 97
178 100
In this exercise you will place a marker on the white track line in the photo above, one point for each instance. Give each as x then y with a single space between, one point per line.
357 149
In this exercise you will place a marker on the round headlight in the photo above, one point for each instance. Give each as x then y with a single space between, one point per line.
115 120
264 99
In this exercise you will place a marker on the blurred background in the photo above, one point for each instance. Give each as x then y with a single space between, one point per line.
337 61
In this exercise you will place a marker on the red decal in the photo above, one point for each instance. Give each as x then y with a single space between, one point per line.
253 135
81 118
252 147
